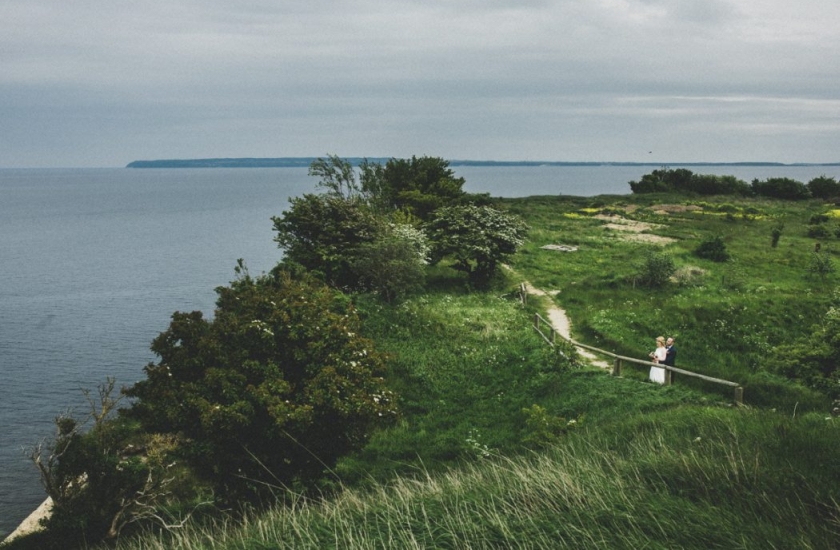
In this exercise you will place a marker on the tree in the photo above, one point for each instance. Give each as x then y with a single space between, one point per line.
274 389
337 175
662 180
781 188
479 238
421 185
322 232
824 187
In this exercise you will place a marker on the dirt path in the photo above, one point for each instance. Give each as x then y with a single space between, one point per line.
561 324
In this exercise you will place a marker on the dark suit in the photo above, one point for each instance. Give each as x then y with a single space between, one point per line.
670 355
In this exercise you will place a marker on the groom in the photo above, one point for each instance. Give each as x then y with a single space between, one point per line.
670 357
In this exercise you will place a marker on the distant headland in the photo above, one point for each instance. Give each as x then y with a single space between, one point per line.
304 162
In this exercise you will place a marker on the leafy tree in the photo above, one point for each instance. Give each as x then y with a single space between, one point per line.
322 232
337 175
683 180
781 188
710 184
712 248
421 185
479 238
824 187
275 388
660 181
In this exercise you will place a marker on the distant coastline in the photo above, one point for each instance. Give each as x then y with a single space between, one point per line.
304 162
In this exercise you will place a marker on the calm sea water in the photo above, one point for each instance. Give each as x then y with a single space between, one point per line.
94 262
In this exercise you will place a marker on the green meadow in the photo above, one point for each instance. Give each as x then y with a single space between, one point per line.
505 442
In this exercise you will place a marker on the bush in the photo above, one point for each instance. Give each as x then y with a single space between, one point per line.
776 233
712 248
824 187
819 231
821 265
656 269
781 188
272 390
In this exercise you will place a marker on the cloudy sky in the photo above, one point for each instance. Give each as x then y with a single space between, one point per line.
101 83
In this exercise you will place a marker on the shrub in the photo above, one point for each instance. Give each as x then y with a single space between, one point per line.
821 265
776 233
781 188
824 187
656 269
393 264
819 231
272 390
712 248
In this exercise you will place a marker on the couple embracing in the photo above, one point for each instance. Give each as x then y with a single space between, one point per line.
665 353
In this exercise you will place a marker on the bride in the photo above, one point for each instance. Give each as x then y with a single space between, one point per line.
657 374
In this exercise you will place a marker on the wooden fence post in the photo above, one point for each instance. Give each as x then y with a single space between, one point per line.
537 321
739 395
553 335
669 378
616 367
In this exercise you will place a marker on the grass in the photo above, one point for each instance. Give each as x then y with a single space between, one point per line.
688 478
726 316
641 466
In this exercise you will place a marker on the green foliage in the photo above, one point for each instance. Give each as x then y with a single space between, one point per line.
712 248
393 264
544 429
824 187
656 269
776 234
815 358
820 231
478 237
422 185
681 180
322 233
781 188
821 265
97 483
337 175
275 388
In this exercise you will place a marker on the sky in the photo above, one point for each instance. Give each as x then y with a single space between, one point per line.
95 83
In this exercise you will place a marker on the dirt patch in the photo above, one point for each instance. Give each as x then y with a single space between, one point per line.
648 238
618 223
634 230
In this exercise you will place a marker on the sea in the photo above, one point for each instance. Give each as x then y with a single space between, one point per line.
96 260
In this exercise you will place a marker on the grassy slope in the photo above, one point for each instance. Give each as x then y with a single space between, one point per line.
649 466
725 319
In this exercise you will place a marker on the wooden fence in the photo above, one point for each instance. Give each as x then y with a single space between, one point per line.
619 359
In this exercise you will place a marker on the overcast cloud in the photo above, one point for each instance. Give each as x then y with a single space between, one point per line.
102 83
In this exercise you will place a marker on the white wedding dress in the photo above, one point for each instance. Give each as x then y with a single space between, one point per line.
657 374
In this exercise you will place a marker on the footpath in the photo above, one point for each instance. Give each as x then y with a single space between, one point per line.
561 325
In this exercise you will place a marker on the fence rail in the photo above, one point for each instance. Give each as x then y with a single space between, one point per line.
619 359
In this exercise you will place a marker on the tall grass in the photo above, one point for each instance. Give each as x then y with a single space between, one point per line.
692 478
